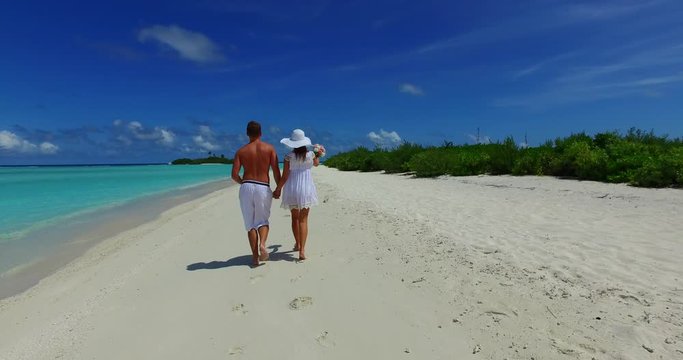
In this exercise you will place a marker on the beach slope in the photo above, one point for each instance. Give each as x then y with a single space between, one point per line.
449 268
180 287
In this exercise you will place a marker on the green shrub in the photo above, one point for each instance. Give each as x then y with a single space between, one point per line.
354 160
661 170
502 156
429 163
604 140
455 161
585 161
470 161
534 161
677 166
639 158
396 161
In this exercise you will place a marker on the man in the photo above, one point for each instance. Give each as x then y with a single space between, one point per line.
255 194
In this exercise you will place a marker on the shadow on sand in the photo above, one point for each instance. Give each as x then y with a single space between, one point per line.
244 260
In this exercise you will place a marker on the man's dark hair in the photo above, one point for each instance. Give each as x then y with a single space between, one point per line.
253 129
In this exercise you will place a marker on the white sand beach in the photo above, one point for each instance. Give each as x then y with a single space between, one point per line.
399 268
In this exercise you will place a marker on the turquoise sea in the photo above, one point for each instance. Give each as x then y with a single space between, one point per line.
35 197
49 215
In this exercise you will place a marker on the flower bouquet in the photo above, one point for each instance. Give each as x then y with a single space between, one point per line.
318 150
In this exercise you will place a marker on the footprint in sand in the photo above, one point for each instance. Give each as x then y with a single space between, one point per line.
255 279
237 350
300 302
324 340
240 309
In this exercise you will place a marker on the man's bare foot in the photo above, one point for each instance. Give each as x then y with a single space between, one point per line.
254 262
264 254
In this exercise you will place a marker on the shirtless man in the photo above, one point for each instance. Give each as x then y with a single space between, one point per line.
255 194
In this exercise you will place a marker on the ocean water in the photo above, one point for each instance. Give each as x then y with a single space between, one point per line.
32 198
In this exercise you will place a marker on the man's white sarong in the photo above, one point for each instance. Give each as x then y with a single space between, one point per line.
255 201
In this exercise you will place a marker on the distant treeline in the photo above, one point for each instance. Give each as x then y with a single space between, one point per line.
212 159
639 158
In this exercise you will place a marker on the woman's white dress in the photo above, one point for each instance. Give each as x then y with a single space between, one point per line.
299 191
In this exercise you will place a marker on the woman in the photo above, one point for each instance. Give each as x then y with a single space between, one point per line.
297 188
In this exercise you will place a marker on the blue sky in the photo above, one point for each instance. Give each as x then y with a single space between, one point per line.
150 81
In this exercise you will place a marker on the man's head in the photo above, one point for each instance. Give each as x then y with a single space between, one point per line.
253 130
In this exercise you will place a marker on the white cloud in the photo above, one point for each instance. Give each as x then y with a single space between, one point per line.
204 143
11 142
159 135
410 89
205 130
124 140
633 70
134 126
274 130
540 65
189 45
591 91
187 149
479 139
601 11
384 138
48 148
205 140
167 137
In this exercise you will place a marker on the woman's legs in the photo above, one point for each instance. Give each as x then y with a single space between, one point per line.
303 232
295 229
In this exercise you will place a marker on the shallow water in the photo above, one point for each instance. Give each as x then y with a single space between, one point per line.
39 253
35 197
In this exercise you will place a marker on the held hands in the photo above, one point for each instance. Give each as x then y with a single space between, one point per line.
276 193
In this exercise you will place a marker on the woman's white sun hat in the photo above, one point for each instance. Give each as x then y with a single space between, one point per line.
298 139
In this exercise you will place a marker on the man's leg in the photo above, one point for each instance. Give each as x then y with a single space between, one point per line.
262 202
253 242
247 207
263 236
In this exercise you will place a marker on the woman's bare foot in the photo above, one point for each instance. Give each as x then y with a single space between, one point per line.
302 256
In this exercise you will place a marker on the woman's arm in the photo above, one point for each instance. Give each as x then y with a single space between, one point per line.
283 179
316 161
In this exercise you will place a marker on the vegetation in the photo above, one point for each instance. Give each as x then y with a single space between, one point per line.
638 158
211 159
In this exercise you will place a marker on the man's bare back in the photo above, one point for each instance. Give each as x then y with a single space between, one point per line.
256 158
255 194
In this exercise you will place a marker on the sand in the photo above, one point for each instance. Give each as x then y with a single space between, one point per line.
448 268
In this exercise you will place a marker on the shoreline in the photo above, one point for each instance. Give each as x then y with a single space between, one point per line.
71 238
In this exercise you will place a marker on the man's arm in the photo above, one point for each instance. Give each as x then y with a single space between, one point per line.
275 166
236 165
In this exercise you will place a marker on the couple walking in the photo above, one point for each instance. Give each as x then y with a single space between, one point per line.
295 186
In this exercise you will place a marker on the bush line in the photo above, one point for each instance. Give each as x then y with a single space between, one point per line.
639 158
